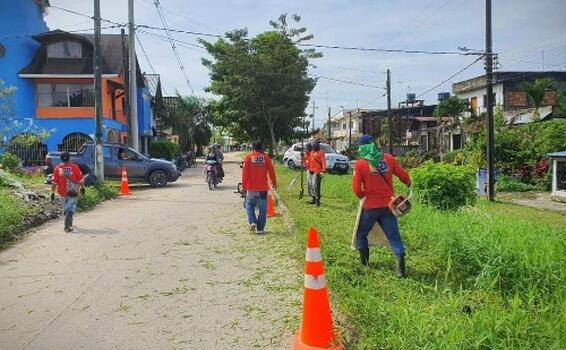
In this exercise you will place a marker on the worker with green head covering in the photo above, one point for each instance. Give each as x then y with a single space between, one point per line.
373 182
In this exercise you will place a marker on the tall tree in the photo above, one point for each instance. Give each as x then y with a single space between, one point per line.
535 92
189 118
263 84
452 107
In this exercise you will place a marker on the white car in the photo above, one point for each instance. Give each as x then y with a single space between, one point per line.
334 160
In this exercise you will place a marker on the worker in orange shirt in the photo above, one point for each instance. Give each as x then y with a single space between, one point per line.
257 170
317 167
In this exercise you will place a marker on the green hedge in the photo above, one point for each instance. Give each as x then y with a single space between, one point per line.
9 161
96 194
444 186
164 150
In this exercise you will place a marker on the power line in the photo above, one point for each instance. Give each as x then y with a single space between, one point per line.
83 15
451 77
19 36
347 82
408 24
322 46
145 54
182 43
173 47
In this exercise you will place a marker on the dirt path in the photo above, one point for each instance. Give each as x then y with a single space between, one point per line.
173 268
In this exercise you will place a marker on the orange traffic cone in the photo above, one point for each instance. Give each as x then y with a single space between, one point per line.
317 330
124 187
270 206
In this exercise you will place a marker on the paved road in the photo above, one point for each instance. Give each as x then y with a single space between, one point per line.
173 268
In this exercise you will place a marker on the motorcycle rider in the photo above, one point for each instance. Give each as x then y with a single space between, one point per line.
219 159
256 171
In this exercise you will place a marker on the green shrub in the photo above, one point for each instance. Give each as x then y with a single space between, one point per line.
164 149
444 186
510 184
11 215
415 158
457 157
96 194
9 161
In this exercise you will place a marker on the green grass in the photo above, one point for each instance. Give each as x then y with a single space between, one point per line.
11 214
484 277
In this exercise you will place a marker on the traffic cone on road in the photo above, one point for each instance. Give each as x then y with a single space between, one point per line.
270 206
317 330
124 187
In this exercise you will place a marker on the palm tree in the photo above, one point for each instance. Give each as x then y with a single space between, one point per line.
535 92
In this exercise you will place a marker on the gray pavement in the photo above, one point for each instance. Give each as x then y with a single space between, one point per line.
172 268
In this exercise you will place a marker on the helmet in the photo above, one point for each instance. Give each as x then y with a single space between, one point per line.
213 146
308 146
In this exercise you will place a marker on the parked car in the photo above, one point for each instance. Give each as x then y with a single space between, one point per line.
156 172
334 160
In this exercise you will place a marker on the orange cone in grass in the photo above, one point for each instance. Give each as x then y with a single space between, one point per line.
317 330
270 206
124 187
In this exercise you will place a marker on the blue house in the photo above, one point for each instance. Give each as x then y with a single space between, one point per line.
53 74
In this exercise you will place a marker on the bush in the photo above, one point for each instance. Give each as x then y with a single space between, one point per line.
510 184
457 157
444 186
95 194
415 158
9 161
164 149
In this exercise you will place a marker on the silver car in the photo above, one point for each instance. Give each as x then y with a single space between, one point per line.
334 161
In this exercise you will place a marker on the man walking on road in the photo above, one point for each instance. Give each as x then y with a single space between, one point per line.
317 166
68 183
255 171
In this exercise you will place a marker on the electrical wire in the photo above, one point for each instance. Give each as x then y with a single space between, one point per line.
20 36
86 16
145 55
346 82
451 77
173 47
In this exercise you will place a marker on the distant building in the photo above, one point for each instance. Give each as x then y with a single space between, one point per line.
345 123
508 94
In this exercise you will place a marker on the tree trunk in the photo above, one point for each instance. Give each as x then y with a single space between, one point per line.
273 148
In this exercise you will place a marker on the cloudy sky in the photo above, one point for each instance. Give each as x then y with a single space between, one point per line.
523 31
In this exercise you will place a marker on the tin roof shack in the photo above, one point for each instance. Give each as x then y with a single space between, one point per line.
509 96
558 160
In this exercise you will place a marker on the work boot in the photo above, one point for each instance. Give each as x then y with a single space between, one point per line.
318 202
313 200
401 273
364 256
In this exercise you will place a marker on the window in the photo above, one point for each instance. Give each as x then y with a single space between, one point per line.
485 99
344 126
65 49
107 152
65 95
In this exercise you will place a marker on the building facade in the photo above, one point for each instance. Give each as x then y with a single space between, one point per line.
52 72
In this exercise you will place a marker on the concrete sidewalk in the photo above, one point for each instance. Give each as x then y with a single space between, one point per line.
171 268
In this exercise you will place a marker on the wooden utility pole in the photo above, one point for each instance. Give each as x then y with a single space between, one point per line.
389 116
489 88
329 127
126 65
314 107
133 77
97 69
350 130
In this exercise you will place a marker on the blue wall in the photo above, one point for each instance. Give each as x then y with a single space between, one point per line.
144 112
19 18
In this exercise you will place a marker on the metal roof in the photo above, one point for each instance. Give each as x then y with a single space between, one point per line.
557 154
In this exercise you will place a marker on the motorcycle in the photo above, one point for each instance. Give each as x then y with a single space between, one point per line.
211 171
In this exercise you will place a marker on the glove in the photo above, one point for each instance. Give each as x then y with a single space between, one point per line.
52 196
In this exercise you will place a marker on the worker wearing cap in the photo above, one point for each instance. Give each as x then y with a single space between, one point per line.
257 170
317 167
373 180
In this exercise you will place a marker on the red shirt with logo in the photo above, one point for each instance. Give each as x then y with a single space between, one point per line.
377 184
257 167
317 162
64 173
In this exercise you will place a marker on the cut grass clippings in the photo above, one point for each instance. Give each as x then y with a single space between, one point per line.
483 277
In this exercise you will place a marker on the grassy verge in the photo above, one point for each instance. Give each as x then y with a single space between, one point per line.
487 277
97 193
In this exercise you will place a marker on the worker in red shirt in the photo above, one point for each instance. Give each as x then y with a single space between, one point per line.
257 170
317 167
68 182
373 180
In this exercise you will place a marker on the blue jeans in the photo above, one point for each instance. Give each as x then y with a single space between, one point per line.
389 225
253 200
69 205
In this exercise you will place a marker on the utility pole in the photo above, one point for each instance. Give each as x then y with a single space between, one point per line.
132 77
389 116
313 111
489 87
126 65
329 127
350 130
97 69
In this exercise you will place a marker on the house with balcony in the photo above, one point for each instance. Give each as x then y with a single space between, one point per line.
345 128
52 72
509 96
